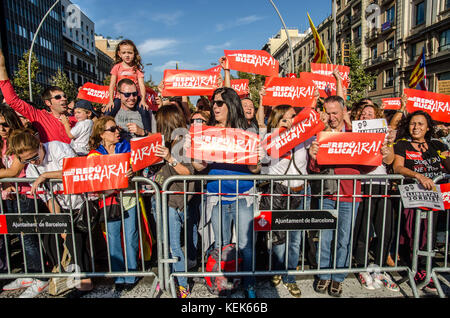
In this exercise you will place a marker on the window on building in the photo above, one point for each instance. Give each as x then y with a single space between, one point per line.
390 44
374 52
373 87
390 15
420 13
447 4
389 78
444 76
444 40
412 51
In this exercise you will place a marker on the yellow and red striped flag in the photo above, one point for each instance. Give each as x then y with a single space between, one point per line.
417 80
320 53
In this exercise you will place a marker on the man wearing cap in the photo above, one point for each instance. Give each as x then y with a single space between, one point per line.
47 123
80 133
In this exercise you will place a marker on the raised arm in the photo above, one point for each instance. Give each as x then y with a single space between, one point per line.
226 69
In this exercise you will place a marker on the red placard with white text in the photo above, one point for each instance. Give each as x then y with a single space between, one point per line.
445 191
296 92
393 103
94 93
216 69
252 61
240 86
143 151
95 173
150 98
436 105
327 69
226 145
189 83
345 148
326 84
306 124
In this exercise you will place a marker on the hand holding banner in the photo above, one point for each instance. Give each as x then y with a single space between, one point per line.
296 92
343 148
189 83
252 61
436 105
94 93
325 83
143 151
95 173
393 103
306 124
227 145
328 69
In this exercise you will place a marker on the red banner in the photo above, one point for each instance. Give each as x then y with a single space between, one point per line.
252 61
344 148
327 69
292 75
240 86
306 124
437 105
94 93
296 92
326 84
189 83
215 69
150 98
143 151
226 145
95 173
3 225
445 191
393 103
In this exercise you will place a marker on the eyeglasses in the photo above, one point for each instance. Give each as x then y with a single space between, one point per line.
127 95
4 125
113 129
198 121
26 161
59 96
219 103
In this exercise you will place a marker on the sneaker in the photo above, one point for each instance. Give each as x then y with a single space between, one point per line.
322 286
366 281
420 276
35 289
293 289
276 280
335 289
385 280
250 292
431 286
183 292
19 283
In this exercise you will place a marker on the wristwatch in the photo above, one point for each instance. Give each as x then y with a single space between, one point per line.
173 163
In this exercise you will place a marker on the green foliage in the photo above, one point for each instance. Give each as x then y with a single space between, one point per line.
107 80
255 82
20 80
360 79
61 80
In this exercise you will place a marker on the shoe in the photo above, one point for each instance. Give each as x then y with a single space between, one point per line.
250 292
335 289
276 280
420 276
183 292
35 289
19 283
385 280
322 286
367 281
390 261
293 289
431 286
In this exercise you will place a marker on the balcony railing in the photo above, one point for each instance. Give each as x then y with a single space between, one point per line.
371 35
382 58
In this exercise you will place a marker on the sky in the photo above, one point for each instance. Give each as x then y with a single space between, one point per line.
194 33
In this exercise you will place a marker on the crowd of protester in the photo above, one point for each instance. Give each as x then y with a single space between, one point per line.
35 141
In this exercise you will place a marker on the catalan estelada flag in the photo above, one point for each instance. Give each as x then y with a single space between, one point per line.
320 53
418 77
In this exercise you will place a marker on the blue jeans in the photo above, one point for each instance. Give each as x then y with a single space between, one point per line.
130 242
244 232
344 229
294 241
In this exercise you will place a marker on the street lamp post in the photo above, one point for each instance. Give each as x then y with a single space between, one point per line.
31 48
288 37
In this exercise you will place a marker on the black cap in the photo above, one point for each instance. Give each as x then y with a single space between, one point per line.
82 103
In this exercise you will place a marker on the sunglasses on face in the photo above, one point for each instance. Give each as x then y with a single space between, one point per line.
112 129
59 96
127 95
219 103
198 121
27 161
4 125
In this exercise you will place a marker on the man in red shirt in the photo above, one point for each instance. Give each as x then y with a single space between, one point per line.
47 123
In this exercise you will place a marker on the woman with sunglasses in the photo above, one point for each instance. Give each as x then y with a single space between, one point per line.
105 140
227 112
200 117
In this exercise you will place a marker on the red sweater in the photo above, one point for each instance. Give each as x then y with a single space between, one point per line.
48 126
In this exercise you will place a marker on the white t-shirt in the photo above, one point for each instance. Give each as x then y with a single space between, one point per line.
81 133
55 152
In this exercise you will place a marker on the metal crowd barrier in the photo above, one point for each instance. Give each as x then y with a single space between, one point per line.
43 226
205 239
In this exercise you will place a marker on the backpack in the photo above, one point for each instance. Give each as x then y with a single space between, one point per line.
222 285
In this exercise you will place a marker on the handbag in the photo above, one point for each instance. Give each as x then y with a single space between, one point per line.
110 206
82 220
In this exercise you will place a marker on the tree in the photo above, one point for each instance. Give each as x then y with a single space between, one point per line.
20 81
61 80
360 80
255 82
